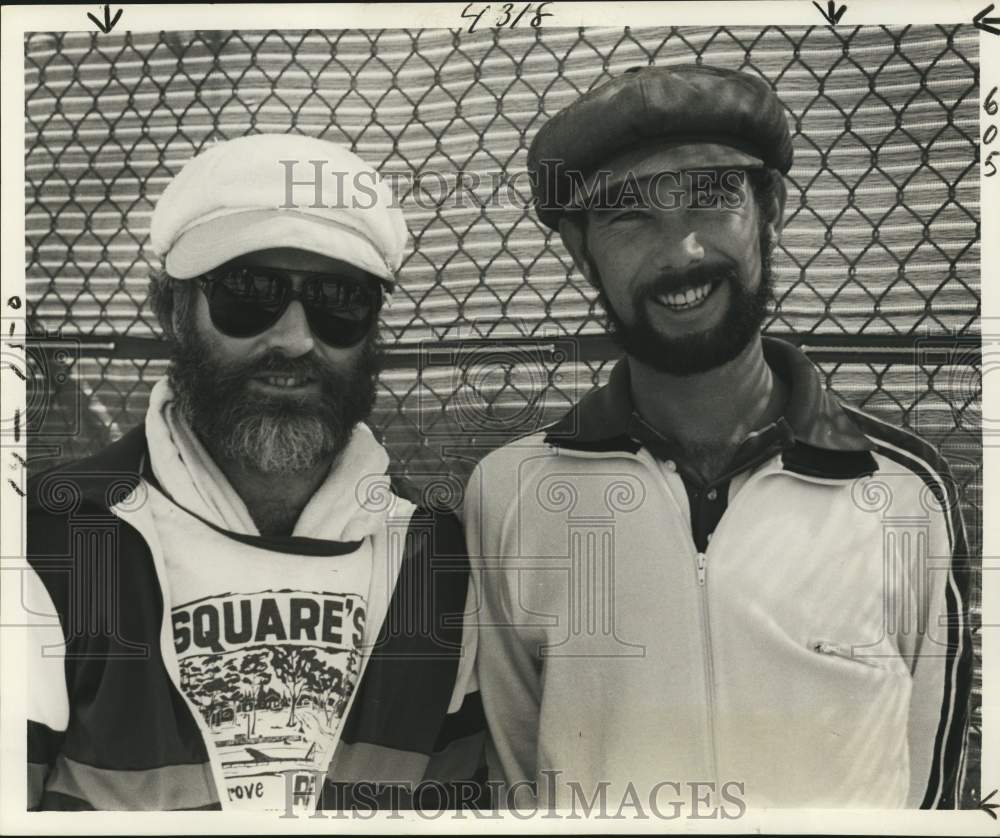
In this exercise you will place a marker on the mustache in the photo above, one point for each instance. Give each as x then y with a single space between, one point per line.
670 281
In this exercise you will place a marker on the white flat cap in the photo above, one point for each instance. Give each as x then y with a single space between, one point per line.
278 190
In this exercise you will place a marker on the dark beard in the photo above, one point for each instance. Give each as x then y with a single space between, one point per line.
271 434
696 353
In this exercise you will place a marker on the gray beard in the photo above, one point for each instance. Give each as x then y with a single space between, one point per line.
274 444
270 434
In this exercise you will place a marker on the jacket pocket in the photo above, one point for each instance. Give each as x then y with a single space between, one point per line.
845 652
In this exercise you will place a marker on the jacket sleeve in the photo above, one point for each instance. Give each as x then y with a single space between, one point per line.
45 682
458 764
940 656
459 752
507 666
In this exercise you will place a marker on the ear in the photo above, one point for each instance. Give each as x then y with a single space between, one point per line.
777 209
573 237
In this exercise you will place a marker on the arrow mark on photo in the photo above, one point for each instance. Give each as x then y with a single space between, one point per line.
980 21
109 22
832 13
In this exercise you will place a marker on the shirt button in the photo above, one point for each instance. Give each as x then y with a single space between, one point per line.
670 465
712 494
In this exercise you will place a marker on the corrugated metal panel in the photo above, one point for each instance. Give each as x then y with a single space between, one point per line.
887 114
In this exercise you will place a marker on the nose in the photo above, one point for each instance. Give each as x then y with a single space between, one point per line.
680 251
291 334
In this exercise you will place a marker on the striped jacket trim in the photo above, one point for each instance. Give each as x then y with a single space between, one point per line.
910 451
155 789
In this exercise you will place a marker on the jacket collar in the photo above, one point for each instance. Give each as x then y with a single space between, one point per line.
816 435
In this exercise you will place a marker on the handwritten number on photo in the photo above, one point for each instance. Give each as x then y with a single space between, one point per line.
507 18
465 14
990 134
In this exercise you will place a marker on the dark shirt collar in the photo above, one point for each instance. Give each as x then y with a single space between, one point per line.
815 435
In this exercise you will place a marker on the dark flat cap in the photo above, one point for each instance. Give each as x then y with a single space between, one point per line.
663 118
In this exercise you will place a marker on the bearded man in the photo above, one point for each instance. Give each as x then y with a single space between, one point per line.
710 585
249 614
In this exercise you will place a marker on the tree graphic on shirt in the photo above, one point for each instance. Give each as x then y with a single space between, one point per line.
326 683
254 672
350 679
228 693
210 685
292 666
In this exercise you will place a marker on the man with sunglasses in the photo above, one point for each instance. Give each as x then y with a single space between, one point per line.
251 615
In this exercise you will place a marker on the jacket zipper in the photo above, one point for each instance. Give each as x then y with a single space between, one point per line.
708 659
701 562
701 574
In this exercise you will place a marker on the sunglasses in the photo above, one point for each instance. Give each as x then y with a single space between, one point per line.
246 300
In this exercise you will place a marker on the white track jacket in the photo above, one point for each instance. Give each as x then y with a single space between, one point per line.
799 627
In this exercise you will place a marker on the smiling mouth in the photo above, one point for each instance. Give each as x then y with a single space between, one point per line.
288 382
687 298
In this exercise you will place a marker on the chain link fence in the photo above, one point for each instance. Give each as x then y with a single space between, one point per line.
491 333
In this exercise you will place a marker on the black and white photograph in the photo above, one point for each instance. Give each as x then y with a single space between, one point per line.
502 417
